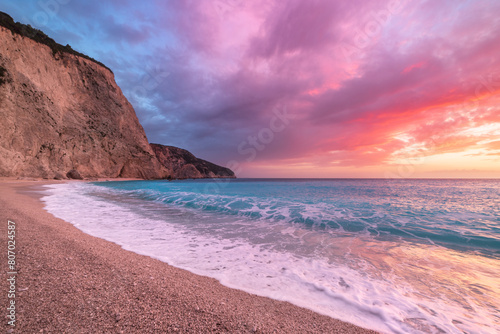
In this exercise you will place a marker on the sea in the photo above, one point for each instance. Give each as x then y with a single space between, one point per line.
393 255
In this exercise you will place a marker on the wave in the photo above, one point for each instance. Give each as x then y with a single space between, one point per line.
266 246
428 224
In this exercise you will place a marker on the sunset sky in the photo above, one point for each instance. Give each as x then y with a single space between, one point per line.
301 88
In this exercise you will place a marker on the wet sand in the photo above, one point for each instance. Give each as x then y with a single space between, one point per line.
70 282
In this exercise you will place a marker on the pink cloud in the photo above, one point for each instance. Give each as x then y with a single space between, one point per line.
365 80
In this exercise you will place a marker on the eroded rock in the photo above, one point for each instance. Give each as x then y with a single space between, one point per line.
182 164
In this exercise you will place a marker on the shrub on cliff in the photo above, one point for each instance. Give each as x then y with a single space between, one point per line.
3 73
39 36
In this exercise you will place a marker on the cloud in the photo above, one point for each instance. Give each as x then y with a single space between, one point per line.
297 26
367 82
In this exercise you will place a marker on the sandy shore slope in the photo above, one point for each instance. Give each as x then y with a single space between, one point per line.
70 282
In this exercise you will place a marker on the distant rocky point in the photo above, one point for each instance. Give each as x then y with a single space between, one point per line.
64 116
183 165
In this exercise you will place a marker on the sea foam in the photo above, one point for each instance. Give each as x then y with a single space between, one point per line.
334 259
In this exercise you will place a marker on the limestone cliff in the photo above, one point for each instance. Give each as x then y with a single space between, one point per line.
63 115
62 112
183 165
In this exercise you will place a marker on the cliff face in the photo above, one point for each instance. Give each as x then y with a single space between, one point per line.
183 165
62 112
63 115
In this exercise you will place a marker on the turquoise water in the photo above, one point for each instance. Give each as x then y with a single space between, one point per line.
398 256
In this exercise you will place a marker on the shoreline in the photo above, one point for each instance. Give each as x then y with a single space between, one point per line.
69 281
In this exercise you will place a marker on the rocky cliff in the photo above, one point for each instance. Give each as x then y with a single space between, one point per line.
62 111
181 164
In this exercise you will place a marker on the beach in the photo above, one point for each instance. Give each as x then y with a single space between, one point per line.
71 282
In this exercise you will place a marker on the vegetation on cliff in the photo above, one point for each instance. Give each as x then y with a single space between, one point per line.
39 36
3 73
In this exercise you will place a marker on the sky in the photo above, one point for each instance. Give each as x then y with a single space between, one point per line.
311 88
